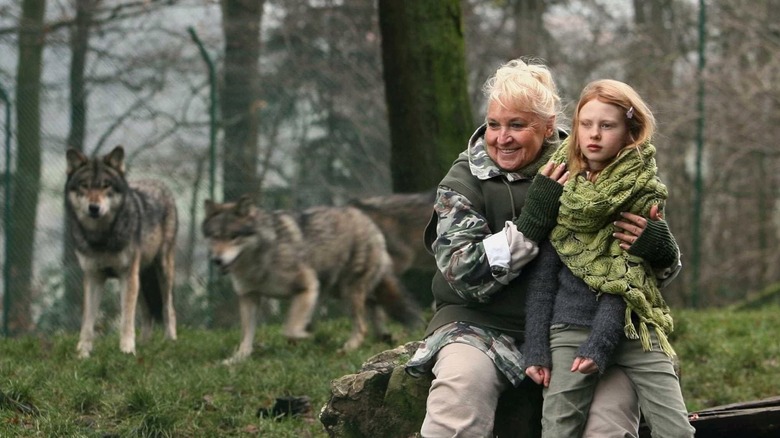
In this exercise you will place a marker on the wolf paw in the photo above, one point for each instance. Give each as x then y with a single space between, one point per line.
84 349
126 346
170 333
297 335
352 344
239 356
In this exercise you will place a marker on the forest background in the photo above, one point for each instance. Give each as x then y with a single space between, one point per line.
312 102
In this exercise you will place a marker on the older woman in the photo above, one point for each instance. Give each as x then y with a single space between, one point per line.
494 206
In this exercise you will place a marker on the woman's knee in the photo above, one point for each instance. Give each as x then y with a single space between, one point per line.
464 374
468 368
464 393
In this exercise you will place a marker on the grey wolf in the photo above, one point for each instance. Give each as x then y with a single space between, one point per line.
402 217
337 251
126 231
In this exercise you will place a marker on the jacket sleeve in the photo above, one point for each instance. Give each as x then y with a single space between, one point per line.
460 252
659 248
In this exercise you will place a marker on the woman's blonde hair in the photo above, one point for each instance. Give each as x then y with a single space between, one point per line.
524 86
639 118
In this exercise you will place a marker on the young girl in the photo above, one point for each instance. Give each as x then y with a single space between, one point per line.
594 301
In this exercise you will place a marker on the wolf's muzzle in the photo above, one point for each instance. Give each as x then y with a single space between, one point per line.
94 211
221 265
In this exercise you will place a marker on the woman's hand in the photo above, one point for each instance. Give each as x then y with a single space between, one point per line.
584 366
540 375
557 173
632 227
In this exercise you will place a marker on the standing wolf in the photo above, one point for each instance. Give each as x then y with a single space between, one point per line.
125 231
296 255
402 217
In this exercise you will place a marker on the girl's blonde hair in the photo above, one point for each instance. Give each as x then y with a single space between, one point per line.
639 118
522 86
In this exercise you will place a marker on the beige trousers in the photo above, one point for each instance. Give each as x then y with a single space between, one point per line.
464 394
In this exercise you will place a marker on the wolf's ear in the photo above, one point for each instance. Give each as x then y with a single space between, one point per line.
116 158
244 205
75 160
209 206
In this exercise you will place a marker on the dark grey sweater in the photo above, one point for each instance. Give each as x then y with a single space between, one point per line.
556 296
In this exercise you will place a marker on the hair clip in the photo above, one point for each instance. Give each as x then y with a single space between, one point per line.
630 113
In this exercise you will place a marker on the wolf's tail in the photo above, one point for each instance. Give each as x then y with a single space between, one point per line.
392 296
151 293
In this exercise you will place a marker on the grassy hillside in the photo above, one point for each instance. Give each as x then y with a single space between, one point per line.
181 390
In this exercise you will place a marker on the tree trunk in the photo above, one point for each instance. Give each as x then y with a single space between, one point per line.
530 32
239 104
28 164
655 25
426 89
79 45
241 26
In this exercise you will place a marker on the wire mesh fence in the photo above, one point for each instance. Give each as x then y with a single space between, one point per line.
148 89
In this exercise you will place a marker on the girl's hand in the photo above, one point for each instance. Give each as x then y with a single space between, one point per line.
632 227
557 173
584 366
540 375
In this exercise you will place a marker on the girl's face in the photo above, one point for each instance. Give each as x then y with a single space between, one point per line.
602 132
514 138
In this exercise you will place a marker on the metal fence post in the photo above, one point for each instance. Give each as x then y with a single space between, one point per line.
212 136
6 209
698 184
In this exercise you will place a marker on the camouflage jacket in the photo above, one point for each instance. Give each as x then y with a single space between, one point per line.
474 201
466 218
477 303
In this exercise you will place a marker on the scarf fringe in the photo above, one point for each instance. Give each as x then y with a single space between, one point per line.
644 336
629 328
666 347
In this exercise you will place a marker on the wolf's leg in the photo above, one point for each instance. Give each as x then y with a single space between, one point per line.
168 272
93 291
360 293
128 287
357 300
146 320
302 306
391 296
268 307
378 320
247 307
388 282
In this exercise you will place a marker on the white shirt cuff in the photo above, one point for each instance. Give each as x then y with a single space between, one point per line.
497 250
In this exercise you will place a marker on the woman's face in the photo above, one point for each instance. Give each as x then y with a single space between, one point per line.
602 131
514 138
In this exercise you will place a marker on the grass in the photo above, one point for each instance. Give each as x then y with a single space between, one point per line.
169 389
728 356
180 389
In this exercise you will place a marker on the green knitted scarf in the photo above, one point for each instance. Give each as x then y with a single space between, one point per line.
584 241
